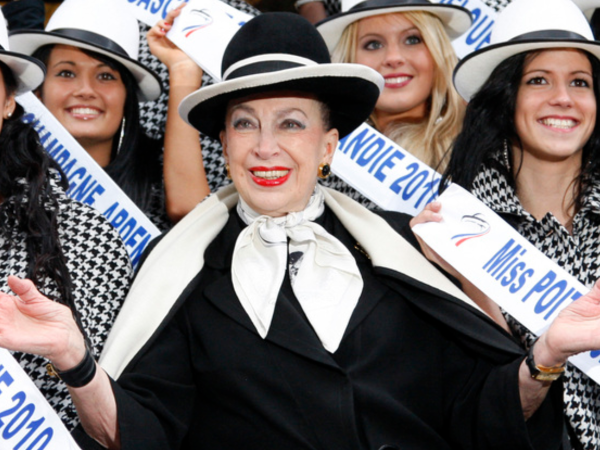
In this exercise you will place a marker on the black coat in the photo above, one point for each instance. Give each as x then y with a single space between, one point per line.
417 369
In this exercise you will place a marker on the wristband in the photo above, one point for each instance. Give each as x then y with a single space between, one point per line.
543 373
78 376
299 3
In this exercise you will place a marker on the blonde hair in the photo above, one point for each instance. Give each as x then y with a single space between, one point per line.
429 139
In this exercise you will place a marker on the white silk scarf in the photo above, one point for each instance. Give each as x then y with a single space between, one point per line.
323 274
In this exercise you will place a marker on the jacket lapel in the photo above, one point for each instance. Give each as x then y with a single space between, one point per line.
167 272
386 248
477 328
368 300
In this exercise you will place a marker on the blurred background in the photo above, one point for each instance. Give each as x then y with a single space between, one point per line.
263 5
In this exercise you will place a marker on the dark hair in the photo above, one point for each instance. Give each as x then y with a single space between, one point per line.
135 164
30 205
490 119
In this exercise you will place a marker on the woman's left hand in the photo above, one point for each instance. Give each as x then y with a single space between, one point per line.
576 329
167 52
31 323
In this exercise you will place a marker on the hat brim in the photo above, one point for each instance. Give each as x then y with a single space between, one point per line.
455 19
28 72
473 71
350 90
28 41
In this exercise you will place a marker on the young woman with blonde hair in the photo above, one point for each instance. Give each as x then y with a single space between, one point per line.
409 44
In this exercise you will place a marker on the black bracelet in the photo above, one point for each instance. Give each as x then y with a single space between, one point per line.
78 376
542 373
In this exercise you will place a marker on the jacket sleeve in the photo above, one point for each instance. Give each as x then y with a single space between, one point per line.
155 396
490 407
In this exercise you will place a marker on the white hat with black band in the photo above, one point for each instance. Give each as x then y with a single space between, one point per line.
107 27
277 52
523 26
455 19
28 72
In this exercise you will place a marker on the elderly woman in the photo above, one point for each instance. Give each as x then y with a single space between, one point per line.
282 315
530 151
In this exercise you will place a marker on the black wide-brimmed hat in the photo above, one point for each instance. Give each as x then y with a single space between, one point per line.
455 19
284 52
524 26
107 27
28 71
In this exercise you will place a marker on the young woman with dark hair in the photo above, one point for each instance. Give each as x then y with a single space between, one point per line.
134 158
530 150
68 249
94 86
491 126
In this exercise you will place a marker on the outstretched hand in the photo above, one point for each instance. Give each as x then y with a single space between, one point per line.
576 329
32 323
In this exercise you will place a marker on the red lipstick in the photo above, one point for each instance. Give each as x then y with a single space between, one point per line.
270 176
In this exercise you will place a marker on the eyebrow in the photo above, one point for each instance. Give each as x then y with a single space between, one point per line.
279 113
287 111
73 63
406 30
575 72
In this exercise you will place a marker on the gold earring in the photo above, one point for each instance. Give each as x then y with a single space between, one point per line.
228 172
324 171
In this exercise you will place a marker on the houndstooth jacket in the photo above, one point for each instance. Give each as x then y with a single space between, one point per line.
100 271
579 254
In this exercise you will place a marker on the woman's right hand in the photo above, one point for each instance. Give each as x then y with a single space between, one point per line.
32 323
431 213
168 53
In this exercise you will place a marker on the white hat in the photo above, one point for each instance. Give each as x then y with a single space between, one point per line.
523 26
455 19
107 27
28 72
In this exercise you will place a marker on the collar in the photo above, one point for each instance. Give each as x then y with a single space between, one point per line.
492 188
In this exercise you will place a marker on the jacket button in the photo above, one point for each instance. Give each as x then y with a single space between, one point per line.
388 447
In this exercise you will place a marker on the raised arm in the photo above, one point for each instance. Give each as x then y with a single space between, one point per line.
32 323
185 178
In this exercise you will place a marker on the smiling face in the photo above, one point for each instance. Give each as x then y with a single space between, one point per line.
274 146
392 45
85 95
555 110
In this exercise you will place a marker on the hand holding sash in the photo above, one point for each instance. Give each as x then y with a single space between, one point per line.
431 213
167 52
